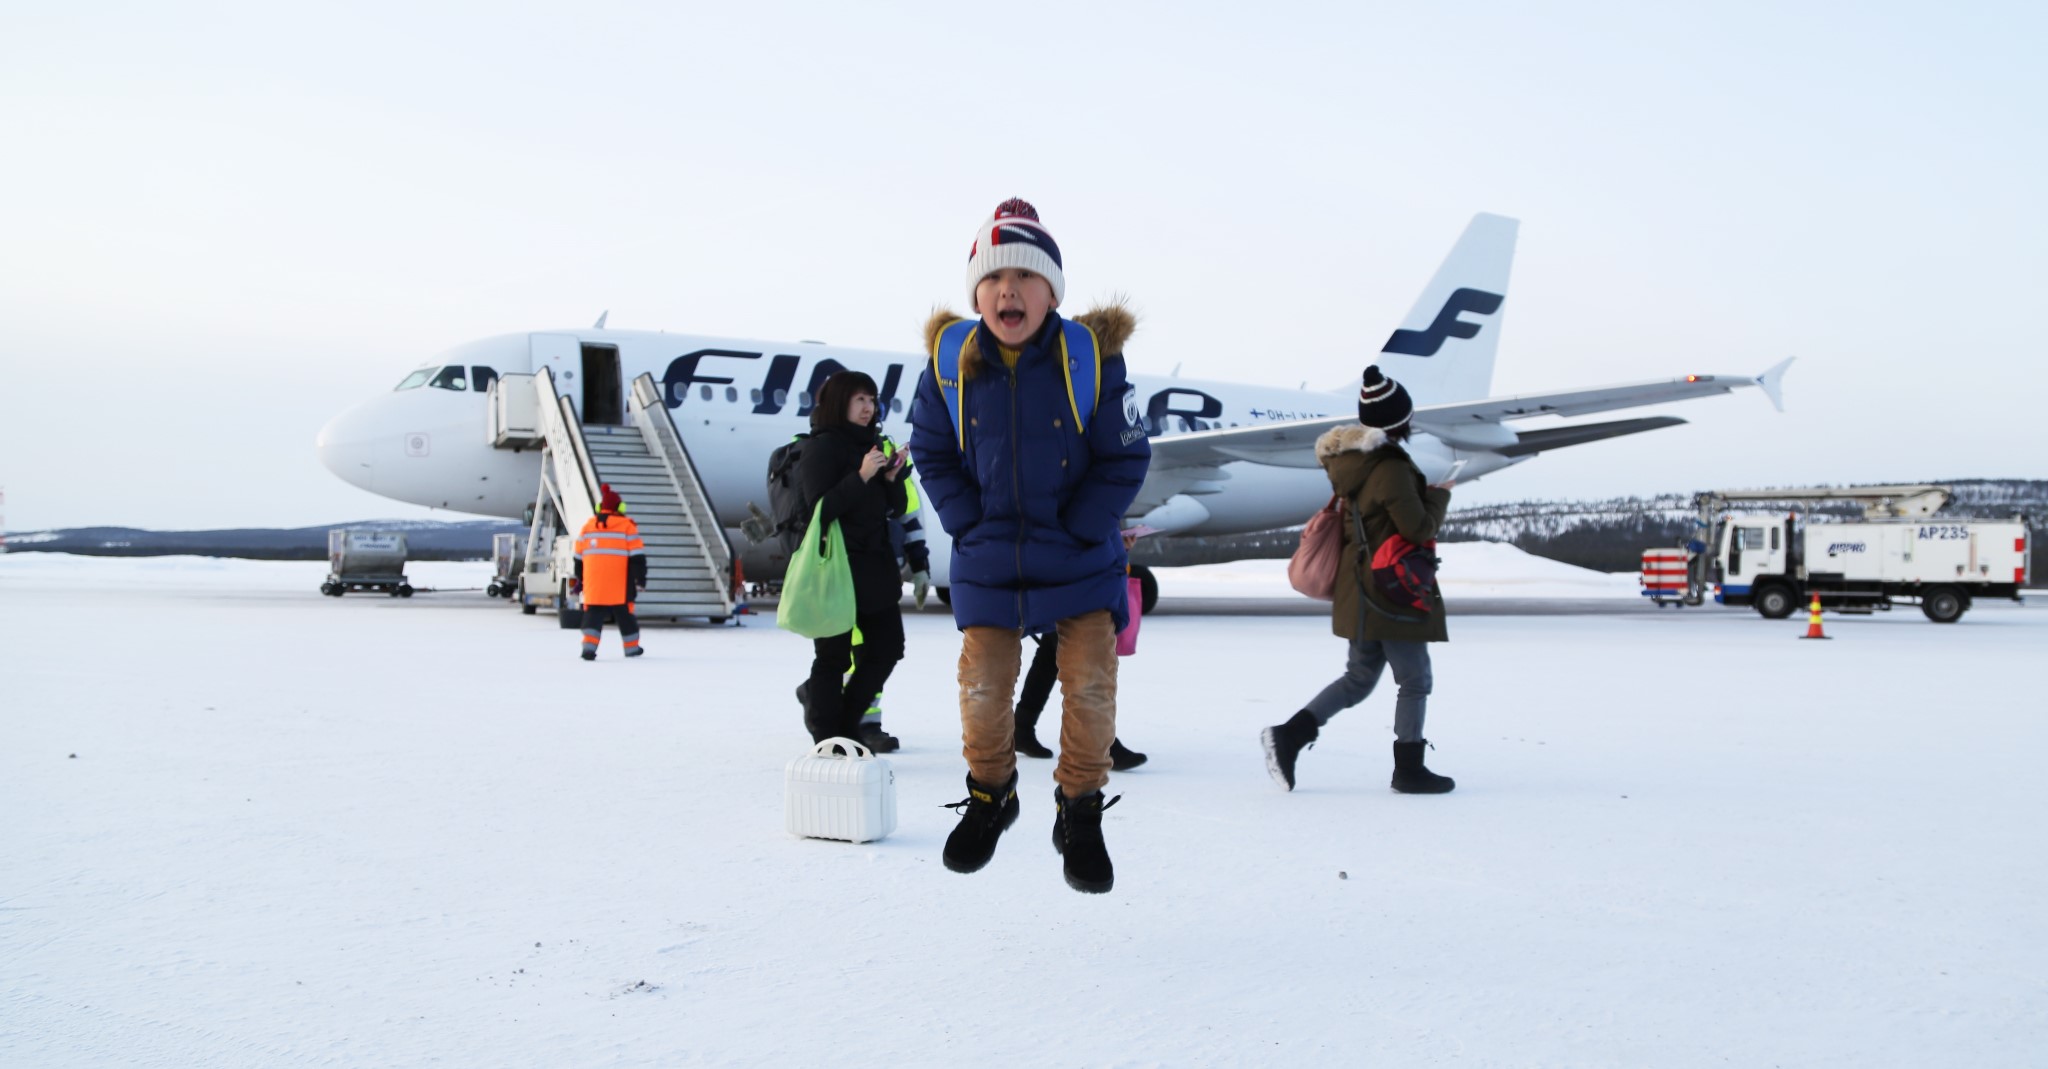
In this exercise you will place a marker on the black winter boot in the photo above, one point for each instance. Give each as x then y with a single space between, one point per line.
1122 758
1284 743
1410 777
1027 736
985 814
1077 835
874 738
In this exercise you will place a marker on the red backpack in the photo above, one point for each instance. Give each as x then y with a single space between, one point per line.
1403 574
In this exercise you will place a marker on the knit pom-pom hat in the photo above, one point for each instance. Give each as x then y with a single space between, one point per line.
1013 237
1382 402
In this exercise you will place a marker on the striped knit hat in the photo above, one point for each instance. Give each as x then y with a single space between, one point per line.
1013 237
1382 402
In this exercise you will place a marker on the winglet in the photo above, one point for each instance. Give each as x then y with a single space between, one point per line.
601 317
1772 382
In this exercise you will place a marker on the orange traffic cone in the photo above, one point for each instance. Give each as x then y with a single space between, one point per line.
1813 620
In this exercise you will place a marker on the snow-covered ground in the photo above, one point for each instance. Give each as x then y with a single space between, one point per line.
247 825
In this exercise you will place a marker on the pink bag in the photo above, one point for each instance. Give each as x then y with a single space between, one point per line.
1313 568
1127 639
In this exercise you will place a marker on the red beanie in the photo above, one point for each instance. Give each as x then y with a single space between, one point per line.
610 502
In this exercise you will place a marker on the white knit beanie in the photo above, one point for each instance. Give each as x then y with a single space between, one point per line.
1013 237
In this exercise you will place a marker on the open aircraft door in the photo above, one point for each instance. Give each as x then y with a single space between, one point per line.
562 355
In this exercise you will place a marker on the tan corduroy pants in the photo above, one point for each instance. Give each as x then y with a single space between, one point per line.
989 661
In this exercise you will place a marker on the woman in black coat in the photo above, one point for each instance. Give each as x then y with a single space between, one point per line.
843 466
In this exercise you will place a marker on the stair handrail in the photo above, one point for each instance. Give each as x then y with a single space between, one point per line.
658 428
575 480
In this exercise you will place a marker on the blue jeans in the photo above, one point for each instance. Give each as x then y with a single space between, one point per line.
1410 661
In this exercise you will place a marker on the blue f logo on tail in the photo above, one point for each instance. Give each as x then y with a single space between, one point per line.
1447 325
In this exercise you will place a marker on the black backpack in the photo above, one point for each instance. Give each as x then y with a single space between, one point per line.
785 497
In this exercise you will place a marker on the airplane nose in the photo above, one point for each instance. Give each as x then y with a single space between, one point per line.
345 447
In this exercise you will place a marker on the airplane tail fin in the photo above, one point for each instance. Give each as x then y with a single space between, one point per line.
1444 350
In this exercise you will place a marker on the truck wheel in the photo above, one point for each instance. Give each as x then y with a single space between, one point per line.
1775 602
405 590
1943 604
1148 589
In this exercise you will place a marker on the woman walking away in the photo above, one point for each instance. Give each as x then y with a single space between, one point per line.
1384 496
844 467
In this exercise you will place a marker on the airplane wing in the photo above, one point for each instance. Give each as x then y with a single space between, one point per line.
1193 463
1599 399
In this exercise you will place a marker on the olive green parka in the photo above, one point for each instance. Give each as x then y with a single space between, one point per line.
1380 485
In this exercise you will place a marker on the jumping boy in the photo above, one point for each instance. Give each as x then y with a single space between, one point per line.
1031 445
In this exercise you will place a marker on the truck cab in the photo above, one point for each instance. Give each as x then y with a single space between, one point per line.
1754 563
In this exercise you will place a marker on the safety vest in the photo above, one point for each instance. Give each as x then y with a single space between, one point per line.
1080 358
607 546
911 503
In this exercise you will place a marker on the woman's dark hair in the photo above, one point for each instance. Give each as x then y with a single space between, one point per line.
1400 434
837 393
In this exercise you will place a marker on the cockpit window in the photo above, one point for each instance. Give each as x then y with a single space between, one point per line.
481 377
451 378
417 378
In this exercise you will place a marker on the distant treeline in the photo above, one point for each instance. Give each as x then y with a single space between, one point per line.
425 540
1608 535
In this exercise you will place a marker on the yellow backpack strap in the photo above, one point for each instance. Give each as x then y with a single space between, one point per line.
1081 355
946 368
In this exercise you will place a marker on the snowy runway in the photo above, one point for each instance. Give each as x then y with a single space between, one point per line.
302 831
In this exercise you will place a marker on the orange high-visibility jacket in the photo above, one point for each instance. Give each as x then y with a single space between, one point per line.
610 559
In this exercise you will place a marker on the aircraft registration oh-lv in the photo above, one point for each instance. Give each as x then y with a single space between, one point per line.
1226 457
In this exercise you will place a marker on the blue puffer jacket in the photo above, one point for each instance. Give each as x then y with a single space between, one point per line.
1033 507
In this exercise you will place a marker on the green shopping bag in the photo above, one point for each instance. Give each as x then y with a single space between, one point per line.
817 593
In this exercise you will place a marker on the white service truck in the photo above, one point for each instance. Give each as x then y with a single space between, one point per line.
1901 551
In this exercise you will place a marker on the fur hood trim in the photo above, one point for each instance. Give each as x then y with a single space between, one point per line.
1352 438
1113 324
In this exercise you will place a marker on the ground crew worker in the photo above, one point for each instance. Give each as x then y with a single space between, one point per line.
611 567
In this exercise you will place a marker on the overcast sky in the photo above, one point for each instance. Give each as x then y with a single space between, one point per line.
222 224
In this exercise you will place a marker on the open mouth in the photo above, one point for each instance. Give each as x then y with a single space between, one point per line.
1011 317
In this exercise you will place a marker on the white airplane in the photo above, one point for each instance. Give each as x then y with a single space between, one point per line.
1226 458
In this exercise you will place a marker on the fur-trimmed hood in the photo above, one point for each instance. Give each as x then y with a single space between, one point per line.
1353 438
1113 324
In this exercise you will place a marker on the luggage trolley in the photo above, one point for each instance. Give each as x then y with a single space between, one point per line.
366 560
1664 576
508 560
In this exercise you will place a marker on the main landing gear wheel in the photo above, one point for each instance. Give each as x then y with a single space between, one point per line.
1148 589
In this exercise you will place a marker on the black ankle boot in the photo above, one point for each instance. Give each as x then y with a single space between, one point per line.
1077 835
1027 738
985 814
1284 743
1122 758
1411 777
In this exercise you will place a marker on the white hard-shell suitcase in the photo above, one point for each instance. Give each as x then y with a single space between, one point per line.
849 795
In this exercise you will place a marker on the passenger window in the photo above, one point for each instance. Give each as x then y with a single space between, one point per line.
416 379
803 398
481 377
732 394
450 378
704 392
781 398
895 404
755 394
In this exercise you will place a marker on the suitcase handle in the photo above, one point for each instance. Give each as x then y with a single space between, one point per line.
854 750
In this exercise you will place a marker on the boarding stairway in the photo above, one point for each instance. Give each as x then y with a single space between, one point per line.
689 560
